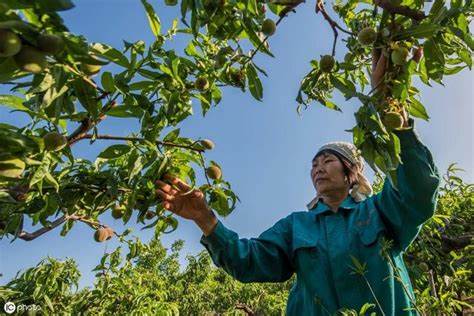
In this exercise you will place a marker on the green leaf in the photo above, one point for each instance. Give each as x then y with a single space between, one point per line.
108 82
13 102
153 19
252 6
253 37
418 31
48 302
55 5
66 227
331 105
216 94
417 109
255 85
114 151
87 95
434 59
345 86
50 179
125 111
171 136
111 54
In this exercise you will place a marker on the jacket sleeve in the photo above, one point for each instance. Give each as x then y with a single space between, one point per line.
405 210
262 259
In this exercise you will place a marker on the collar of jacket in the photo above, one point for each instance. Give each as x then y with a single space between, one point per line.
317 206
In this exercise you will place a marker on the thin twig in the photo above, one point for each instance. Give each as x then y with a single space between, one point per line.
204 167
30 236
136 139
320 8
82 218
282 15
86 79
432 283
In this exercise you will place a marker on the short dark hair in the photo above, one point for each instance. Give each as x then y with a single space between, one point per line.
350 170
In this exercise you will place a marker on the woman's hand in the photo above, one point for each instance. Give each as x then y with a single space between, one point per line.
186 202
379 65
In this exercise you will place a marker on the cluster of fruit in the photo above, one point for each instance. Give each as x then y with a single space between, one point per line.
213 172
14 167
28 57
367 36
32 56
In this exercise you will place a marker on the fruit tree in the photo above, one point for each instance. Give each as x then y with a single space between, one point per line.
59 80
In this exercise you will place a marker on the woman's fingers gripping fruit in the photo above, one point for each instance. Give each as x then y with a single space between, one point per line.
178 183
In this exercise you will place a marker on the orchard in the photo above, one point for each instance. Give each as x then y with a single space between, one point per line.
61 81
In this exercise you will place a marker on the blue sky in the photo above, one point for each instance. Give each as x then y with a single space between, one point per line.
264 148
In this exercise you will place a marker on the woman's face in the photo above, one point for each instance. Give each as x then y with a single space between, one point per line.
327 174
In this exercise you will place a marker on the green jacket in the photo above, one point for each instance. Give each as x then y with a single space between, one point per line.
320 246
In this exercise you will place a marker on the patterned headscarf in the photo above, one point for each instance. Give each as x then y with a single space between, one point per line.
361 188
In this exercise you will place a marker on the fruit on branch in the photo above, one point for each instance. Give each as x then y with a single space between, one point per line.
149 215
50 43
392 120
417 54
31 59
268 27
367 36
399 55
385 32
220 60
103 234
202 84
237 77
91 69
117 211
207 144
423 266
214 172
10 43
54 141
12 168
327 63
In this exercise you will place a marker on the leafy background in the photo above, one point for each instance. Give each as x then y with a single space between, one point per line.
264 148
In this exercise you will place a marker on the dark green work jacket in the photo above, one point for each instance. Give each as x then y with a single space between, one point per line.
325 248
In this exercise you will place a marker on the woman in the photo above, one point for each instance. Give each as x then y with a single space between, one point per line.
343 226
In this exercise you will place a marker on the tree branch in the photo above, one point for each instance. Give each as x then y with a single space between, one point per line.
87 124
136 139
432 283
402 10
320 8
30 236
82 218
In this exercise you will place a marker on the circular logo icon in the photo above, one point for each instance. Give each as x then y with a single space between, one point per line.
9 307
